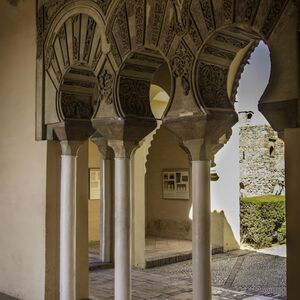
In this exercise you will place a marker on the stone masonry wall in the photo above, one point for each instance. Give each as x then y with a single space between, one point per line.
261 159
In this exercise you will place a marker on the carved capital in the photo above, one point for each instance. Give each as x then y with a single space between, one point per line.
122 149
200 149
104 149
79 130
205 148
70 148
202 136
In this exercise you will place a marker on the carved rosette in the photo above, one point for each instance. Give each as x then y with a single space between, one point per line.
106 82
181 66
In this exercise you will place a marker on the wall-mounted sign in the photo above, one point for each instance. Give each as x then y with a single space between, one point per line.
94 184
175 183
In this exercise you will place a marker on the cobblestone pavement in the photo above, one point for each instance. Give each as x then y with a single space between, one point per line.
235 275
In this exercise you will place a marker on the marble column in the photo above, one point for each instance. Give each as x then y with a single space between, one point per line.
201 249
105 198
122 151
68 220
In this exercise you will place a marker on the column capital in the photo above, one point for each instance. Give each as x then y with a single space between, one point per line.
70 148
198 149
122 149
102 144
202 136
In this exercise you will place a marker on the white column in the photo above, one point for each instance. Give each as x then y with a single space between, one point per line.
122 150
105 210
68 220
201 230
122 230
105 226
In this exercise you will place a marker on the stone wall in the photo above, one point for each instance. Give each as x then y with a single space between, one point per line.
261 159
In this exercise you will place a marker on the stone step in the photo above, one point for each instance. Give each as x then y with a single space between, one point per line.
98 265
167 259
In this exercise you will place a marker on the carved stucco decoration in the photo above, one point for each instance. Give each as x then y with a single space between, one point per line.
181 64
106 82
75 106
48 10
79 45
104 4
275 11
46 13
211 83
194 32
140 20
173 30
230 40
219 52
156 20
182 23
228 9
134 97
250 10
208 14
117 32
121 31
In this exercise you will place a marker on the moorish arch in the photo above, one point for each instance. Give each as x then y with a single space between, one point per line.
198 40
96 60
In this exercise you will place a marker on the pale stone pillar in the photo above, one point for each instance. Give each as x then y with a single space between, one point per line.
201 230
68 220
122 152
105 210
105 198
200 159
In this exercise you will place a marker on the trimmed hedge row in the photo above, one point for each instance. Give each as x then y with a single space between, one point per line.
263 221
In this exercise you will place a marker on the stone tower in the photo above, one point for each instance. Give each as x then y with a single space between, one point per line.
261 157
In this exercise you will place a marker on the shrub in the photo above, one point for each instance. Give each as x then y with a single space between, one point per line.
263 220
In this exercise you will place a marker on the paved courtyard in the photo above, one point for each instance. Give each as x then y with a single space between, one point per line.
235 275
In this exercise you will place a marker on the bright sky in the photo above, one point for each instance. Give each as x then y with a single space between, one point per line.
253 83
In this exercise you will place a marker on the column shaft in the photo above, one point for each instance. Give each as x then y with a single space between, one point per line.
201 230
122 229
68 228
105 211
292 167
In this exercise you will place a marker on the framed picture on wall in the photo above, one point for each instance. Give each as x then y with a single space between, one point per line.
94 183
176 184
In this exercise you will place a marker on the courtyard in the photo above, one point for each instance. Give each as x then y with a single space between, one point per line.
235 275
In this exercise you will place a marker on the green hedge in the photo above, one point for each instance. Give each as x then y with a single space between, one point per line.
263 220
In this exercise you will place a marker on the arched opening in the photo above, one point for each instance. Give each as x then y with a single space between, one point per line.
262 171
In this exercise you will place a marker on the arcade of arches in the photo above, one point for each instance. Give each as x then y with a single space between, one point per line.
78 69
